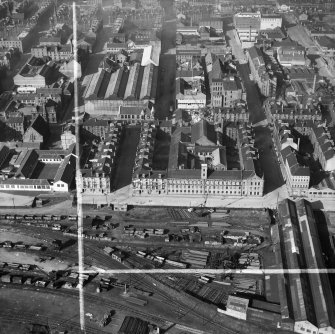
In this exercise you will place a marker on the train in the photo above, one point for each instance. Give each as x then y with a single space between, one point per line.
137 301
36 217
159 259
119 285
176 264
142 254
204 279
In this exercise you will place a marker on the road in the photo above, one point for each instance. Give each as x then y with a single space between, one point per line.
165 97
263 140
125 161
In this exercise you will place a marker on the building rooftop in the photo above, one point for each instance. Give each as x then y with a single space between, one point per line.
203 130
96 122
326 42
66 169
40 125
296 169
237 304
15 120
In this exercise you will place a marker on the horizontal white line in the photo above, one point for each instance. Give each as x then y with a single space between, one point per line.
211 271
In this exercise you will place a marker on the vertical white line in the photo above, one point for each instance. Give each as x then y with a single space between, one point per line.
78 176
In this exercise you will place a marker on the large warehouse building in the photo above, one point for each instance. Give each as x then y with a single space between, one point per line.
128 86
306 299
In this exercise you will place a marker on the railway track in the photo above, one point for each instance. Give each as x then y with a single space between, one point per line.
92 299
100 258
180 308
54 322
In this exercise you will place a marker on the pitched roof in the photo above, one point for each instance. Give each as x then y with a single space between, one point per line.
40 125
289 155
27 165
203 129
95 122
66 169
184 174
41 182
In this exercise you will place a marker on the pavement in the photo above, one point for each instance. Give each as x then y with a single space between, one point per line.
263 139
124 196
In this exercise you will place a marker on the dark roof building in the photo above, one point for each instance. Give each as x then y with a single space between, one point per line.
203 133
37 132
4 153
296 169
28 165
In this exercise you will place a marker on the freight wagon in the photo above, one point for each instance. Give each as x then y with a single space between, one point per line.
141 254
136 301
204 279
159 259
118 285
142 292
176 264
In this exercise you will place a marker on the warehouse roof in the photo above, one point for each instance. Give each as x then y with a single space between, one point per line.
40 182
309 294
28 164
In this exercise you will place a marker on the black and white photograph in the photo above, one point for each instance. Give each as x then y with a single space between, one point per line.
167 166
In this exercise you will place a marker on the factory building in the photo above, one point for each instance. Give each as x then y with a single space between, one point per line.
133 86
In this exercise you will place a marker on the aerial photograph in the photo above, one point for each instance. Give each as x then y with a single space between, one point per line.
167 166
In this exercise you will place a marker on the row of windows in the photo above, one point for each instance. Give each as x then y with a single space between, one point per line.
230 192
131 116
208 183
210 192
16 186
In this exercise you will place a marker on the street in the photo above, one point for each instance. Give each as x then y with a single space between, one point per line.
165 97
263 140
126 157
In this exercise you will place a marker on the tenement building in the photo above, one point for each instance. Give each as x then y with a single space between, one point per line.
198 166
97 178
